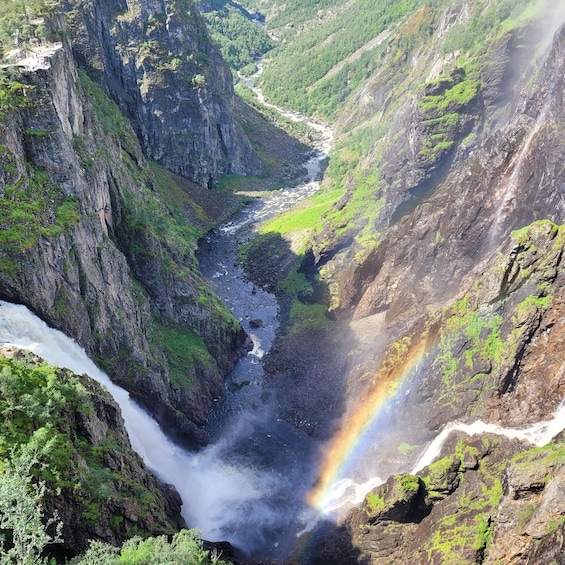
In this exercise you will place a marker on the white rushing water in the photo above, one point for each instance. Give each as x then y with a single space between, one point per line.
516 175
347 493
229 496
212 490
538 434
218 495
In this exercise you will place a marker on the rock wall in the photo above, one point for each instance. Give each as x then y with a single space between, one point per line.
155 59
87 246
463 260
494 356
444 207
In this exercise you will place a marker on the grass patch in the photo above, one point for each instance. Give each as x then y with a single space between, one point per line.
405 448
481 334
375 502
307 217
34 207
460 94
308 316
547 455
185 352
468 524
363 205
108 114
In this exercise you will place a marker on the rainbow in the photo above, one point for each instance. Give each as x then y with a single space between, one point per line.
353 439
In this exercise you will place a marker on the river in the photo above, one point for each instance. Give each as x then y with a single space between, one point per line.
244 423
239 489
248 486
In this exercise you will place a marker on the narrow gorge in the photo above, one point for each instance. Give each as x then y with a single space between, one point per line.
323 287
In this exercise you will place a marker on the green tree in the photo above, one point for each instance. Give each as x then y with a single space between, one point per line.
184 549
24 532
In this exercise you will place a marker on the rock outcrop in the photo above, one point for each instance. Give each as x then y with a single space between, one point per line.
155 59
96 485
488 500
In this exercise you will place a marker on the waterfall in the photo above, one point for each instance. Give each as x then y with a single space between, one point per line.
217 494
515 175
538 434
248 487
346 492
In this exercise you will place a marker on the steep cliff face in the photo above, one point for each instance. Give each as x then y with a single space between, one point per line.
490 358
156 61
89 244
453 142
466 160
469 155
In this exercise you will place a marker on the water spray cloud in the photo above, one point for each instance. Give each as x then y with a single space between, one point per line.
335 487
351 442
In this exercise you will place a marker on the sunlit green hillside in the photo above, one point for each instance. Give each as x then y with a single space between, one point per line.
317 70
241 40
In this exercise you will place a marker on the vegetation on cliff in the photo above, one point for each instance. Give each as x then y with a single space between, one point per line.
144 216
22 22
22 28
240 39
329 49
183 548
24 533
31 207
419 110
68 473
101 241
64 443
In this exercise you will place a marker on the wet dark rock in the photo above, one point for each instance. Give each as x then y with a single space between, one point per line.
502 487
444 479
221 550
432 247
551 549
256 323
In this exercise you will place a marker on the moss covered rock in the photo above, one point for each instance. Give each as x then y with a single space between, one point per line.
96 484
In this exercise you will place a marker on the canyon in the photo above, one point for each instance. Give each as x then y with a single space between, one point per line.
369 372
